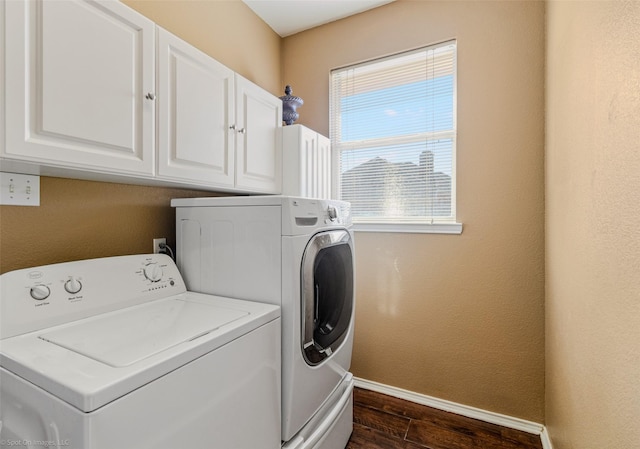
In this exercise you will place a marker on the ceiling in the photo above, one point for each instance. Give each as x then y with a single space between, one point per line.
287 17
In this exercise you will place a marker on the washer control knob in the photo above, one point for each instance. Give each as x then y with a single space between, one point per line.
153 272
73 286
332 212
40 292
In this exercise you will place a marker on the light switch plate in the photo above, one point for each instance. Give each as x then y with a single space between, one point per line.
19 190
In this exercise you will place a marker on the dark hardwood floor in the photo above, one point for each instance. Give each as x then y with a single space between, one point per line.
385 422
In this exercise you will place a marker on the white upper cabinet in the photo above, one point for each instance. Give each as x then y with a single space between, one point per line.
195 115
306 157
81 101
80 86
215 128
258 145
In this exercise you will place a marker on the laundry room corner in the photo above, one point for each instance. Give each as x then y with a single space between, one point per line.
458 317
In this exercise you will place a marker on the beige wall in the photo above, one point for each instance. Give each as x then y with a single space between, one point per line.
456 317
227 30
592 217
80 219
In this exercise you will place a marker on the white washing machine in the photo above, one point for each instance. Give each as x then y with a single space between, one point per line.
297 253
115 353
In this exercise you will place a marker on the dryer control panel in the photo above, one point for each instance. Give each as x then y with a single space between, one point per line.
41 297
302 215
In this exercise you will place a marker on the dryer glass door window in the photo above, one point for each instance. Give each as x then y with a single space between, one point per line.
327 302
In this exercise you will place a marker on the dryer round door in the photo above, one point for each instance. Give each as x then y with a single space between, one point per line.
327 294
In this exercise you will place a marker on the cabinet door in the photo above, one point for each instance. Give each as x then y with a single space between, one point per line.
306 163
195 107
77 74
258 147
323 167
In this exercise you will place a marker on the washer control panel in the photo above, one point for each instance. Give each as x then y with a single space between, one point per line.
39 297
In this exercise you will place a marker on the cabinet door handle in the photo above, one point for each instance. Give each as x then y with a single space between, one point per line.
232 127
150 96
242 131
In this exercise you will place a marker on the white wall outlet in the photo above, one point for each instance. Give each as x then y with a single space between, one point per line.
19 190
156 245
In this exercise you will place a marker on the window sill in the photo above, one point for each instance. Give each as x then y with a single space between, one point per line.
411 228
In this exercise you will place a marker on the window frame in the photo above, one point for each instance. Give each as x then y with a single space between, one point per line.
406 224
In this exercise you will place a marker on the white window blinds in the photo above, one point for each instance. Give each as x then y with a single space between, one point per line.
393 132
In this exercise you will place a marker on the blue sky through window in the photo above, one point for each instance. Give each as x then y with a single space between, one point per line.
424 106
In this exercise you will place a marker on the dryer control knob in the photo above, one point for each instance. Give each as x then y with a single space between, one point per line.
72 286
332 212
153 272
40 292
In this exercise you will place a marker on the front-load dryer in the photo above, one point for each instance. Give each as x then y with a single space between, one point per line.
297 253
115 353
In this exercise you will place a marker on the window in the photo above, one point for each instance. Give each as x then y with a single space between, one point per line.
393 132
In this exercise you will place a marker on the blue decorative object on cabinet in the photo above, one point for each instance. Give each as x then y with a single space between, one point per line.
289 105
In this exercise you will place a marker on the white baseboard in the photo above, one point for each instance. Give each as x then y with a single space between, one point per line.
546 440
460 409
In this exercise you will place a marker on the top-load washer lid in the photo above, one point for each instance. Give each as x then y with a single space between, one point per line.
129 336
91 362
